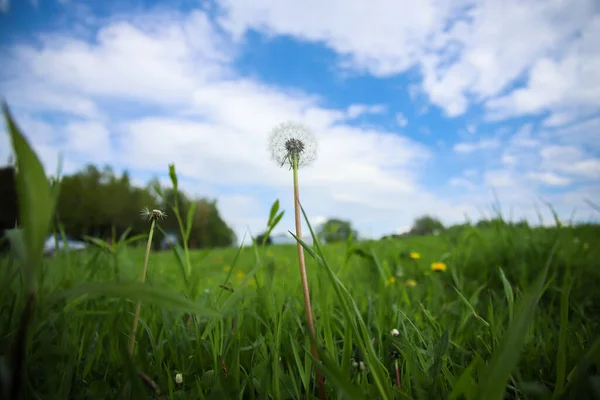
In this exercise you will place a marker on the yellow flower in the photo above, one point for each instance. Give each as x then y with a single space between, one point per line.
410 283
438 266
226 268
390 281
414 255
270 253
252 282
240 274
585 246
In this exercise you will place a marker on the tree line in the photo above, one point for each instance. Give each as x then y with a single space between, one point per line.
98 203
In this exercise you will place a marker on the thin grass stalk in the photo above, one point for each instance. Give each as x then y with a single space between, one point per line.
138 306
306 293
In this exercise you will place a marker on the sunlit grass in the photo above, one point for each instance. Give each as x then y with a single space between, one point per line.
503 312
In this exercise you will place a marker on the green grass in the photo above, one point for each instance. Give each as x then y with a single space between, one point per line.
76 341
514 315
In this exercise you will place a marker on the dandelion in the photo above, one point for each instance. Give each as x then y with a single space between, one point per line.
414 255
410 283
390 281
585 246
179 379
438 266
293 144
227 268
240 274
153 216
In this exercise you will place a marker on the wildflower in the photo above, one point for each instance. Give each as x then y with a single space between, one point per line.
395 332
438 266
414 255
292 143
178 378
410 283
226 268
240 274
270 253
152 215
585 246
252 282
390 281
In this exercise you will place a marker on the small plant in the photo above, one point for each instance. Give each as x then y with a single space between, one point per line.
295 145
153 216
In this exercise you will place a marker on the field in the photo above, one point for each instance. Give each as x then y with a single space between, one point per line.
515 312
507 311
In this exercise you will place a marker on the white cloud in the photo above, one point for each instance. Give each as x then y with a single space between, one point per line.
157 89
483 144
461 182
463 48
401 119
549 178
356 110
214 126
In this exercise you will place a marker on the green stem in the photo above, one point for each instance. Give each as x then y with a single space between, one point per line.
302 265
138 306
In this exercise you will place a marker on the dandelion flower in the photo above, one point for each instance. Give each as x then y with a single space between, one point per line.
410 283
390 281
152 215
240 274
226 268
178 378
438 266
585 246
414 255
292 141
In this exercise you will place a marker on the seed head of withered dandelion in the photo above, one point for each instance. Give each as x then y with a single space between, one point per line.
152 215
291 141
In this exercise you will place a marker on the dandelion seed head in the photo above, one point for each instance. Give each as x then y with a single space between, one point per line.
178 378
152 215
395 332
291 140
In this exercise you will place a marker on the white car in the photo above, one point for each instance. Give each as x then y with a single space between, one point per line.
52 241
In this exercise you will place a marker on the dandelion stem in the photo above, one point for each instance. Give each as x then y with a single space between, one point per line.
138 306
302 265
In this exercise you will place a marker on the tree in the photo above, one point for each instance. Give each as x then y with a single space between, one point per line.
426 225
337 230
259 239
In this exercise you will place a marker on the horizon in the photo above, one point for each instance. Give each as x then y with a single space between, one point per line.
442 110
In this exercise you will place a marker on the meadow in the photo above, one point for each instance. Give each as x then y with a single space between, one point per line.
502 312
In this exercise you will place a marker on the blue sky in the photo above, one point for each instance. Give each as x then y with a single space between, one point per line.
418 107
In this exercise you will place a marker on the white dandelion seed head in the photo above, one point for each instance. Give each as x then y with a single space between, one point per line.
291 139
178 378
395 332
152 215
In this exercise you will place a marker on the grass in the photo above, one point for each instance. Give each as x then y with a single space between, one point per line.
514 315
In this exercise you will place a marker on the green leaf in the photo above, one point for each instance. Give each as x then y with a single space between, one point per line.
508 291
99 242
189 220
173 176
561 357
140 291
440 350
274 209
36 200
493 382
